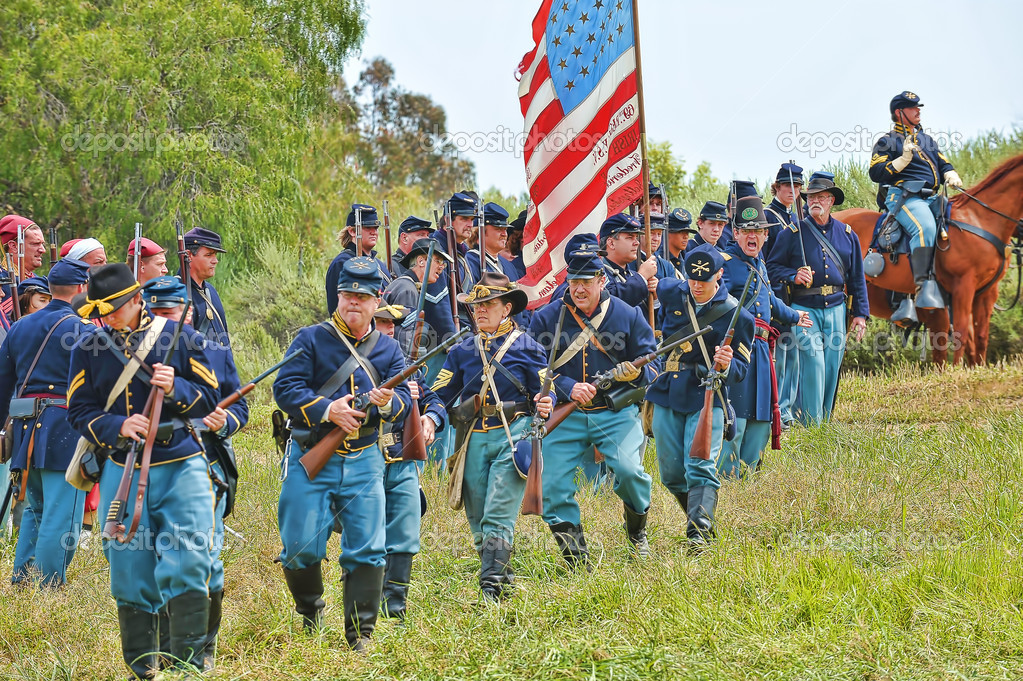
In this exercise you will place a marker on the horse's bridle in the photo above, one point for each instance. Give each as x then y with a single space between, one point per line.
1017 233
1017 249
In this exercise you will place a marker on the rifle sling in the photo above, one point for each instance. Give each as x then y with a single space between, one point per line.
829 249
360 357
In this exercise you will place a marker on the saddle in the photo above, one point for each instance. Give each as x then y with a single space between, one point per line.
890 237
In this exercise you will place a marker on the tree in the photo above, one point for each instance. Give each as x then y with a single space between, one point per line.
404 136
684 189
165 110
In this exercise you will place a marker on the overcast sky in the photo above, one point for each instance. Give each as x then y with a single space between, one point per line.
726 82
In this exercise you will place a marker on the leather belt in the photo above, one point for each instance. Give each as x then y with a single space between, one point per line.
761 333
826 290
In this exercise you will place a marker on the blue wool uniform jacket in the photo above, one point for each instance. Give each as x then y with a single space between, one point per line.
207 318
298 381
441 288
461 378
680 389
778 217
625 284
623 332
95 369
55 439
222 361
7 301
334 272
751 398
787 257
438 324
698 240
928 163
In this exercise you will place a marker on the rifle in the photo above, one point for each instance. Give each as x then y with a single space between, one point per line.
413 444
358 232
319 454
387 237
604 380
455 281
114 527
183 259
798 208
532 501
136 264
247 388
700 448
16 274
481 234
53 246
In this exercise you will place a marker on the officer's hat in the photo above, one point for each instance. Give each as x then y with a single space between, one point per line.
147 247
789 173
740 188
749 213
462 203
823 182
703 262
422 247
197 236
712 210
518 223
33 284
393 312
110 287
622 223
494 215
367 215
414 224
68 272
904 100
164 292
584 241
494 285
681 220
360 275
583 257
9 227
657 220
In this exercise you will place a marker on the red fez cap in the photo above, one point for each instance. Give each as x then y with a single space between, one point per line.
67 247
148 248
9 227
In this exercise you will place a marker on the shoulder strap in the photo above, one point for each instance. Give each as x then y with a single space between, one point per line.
588 331
360 355
715 313
513 336
39 352
147 343
829 248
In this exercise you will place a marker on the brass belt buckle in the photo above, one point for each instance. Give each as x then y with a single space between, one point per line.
827 290
489 410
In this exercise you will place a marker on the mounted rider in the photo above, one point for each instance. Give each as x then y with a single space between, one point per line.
908 161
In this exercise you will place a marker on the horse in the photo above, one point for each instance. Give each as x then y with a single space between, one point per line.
968 265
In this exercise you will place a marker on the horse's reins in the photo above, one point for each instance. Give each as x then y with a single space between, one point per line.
1016 232
1018 221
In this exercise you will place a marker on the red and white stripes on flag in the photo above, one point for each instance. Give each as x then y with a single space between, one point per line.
577 90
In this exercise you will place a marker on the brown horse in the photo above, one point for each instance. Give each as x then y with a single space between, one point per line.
967 266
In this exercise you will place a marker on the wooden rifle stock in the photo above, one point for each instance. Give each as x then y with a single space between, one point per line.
412 440
532 500
53 246
247 388
702 440
319 454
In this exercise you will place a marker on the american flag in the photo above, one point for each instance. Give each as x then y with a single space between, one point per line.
577 90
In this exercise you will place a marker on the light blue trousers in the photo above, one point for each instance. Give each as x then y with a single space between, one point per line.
170 553
821 349
618 436
50 527
915 216
742 454
355 487
492 488
673 433
786 365
401 489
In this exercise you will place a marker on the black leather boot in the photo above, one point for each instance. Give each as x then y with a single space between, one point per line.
163 618
928 293
700 530
490 581
209 649
189 617
139 641
683 500
396 583
572 542
502 566
635 527
306 587
362 589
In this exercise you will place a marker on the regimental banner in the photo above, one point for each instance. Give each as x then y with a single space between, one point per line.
577 90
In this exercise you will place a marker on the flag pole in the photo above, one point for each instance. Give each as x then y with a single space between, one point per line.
642 150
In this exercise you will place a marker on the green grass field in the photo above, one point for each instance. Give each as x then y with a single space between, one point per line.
883 545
